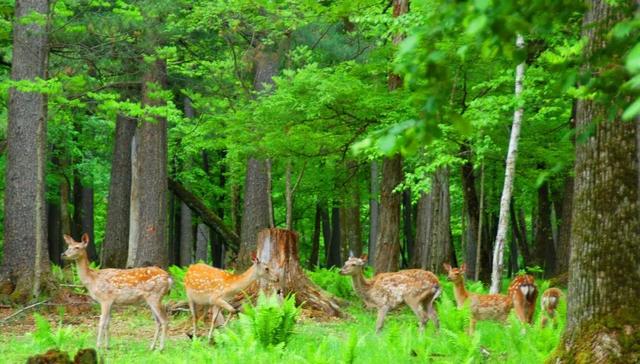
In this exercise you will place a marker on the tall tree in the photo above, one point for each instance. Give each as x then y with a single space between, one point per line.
509 174
116 235
26 259
602 313
388 241
545 250
374 210
186 235
149 191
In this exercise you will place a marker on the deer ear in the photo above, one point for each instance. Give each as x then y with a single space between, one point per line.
85 239
463 267
254 257
446 267
68 239
364 257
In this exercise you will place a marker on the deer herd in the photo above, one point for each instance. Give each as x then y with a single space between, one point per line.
216 288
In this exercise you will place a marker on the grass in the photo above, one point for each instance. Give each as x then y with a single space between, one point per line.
338 341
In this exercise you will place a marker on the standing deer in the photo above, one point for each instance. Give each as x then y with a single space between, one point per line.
483 306
385 291
121 286
206 285
524 292
549 302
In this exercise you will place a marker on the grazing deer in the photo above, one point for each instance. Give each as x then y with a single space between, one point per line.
524 292
121 286
206 285
549 302
385 291
483 306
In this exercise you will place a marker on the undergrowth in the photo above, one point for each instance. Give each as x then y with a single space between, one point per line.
262 334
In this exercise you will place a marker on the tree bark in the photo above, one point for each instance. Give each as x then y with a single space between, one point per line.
433 232
202 242
54 232
374 211
334 259
315 240
604 280
83 214
326 231
256 209
564 234
407 228
388 245
116 236
545 251
186 235
26 260
503 223
520 235
148 216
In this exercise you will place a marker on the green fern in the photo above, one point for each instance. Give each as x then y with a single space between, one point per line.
270 322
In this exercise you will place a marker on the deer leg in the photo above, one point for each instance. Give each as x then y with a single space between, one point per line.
417 309
192 308
382 313
215 311
105 312
224 304
432 314
161 321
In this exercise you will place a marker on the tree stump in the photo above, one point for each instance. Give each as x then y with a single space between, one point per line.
279 249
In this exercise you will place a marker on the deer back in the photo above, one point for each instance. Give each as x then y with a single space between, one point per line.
130 285
392 288
490 306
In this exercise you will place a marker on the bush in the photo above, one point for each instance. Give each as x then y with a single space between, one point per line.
270 322
333 282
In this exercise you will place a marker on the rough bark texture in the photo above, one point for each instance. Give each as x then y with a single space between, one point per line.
374 211
388 245
148 217
202 242
25 234
545 250
433 230
279 249
186 235
509 175
256 209
116 236
564 234
603 320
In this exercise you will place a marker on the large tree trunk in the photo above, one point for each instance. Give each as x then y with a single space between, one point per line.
509 175
374 211
433 232
256 209
26 260
603 319
388 245
279 249
116 235
83 213
202 242
148 224
545 251
186 235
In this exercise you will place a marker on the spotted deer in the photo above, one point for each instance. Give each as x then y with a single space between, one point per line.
385 291
483 306
524 292
121 286
206 285
549 302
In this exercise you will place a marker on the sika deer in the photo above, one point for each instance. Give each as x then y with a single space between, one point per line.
483 306
206 285
121 286
386 291
549 302
523 292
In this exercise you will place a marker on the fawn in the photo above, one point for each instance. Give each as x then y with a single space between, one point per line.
549 302
206 285
385 291
483 306
524 293
121 286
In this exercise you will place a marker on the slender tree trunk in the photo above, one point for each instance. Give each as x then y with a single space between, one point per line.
503 223
149 190
326 231
604 279
202 242
472 210
26 260
407 227
315 240
545 251
519 233
388 245
186 235
235 209
333 260
174 230
54 232
374 211
116 236
479 234
564 234
83 214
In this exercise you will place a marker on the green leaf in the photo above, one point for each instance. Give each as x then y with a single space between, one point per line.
633 59
477 25
632 111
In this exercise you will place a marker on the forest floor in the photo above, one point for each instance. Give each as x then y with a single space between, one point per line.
352 340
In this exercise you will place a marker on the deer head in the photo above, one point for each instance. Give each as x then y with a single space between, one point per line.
262 270
455 274
353 265
75 249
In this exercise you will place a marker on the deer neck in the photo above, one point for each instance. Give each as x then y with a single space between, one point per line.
460 292
85 273
361 284
243 280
